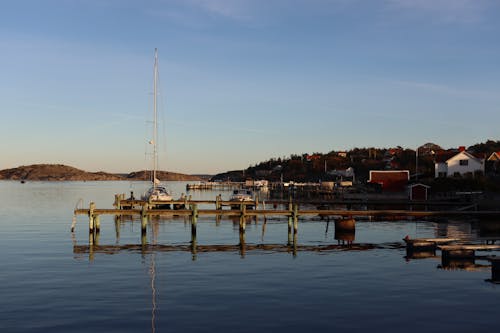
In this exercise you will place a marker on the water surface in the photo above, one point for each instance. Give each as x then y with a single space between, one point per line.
47 286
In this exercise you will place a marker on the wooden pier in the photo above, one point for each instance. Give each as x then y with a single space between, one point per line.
289 209
455 254
214 186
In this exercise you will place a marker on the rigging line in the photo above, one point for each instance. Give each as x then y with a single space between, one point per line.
162 111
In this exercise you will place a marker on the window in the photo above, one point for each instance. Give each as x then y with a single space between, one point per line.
464 162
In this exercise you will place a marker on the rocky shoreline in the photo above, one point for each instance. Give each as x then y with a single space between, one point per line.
59 172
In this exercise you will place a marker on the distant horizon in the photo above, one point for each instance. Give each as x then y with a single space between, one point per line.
229 170
242 81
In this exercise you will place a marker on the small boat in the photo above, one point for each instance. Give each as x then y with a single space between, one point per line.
243 195
156 192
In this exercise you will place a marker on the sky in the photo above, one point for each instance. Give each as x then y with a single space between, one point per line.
242 81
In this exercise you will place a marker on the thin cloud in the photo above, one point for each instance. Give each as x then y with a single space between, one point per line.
239 10
444 89
447 11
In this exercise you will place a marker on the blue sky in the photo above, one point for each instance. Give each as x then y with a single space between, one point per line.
242 81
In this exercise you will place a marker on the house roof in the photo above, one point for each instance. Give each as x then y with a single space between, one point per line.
469 155
445 156
418 184
495 156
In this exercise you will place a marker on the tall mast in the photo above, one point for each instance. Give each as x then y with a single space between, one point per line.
155 125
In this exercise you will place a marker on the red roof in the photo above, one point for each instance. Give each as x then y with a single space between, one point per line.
313 157
444 156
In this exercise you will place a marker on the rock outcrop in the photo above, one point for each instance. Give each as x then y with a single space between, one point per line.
59 172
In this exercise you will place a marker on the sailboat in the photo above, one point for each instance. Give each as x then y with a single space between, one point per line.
157 192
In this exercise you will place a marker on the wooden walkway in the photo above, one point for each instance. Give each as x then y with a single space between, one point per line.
214 186
291 210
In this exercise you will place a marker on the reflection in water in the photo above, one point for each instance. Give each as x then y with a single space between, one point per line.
468 264
152 272
122 296
344 234
263 248
344 237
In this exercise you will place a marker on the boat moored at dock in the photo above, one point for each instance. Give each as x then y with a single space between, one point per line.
241 195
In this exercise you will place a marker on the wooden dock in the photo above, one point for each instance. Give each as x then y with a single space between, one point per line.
214 186
289 209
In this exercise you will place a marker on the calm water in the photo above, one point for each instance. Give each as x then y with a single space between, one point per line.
47 286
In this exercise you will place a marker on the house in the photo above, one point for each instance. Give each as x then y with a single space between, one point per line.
418 191
390 180
457 164
494 157
342 154
494 161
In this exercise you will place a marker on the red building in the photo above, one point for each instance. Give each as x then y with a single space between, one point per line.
390 180
418 191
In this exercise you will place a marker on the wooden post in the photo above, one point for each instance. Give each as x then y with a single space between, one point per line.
217 204
117 227
295 219
242 243
91 246
144 219
243 209
194 243
116 204
194 217
243 223
193 246
91 217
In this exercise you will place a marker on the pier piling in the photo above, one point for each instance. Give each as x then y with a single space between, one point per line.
91 217
144 219
194 218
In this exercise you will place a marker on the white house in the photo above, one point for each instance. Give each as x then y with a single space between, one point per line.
459 164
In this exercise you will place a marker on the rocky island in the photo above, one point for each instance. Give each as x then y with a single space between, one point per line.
59 172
